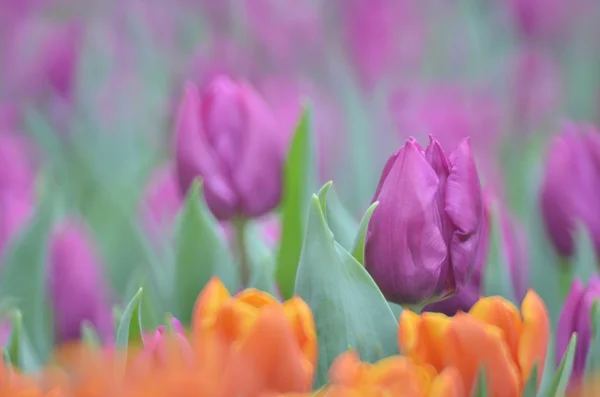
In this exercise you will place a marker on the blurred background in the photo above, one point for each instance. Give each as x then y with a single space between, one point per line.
89 92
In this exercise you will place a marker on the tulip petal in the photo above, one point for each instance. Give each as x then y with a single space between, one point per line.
567 320
195 158
464 206
386 170
535 335
501 313
300 317
404 248
258 177
407 331
461 301
447 384
423 337
471 344
213 297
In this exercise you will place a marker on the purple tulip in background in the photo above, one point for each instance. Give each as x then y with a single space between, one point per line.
228 137
157 346
575 316
422 240
514 247
571 186
76 286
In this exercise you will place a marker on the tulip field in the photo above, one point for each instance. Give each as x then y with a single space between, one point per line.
268 198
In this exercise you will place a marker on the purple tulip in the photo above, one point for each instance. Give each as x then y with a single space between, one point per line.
228 137
15 212
159 347
571 186
575 316
422 240
514 248
76 286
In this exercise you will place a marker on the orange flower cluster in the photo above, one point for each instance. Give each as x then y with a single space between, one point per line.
251 345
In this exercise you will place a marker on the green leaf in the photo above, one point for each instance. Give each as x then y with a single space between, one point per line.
24 278
496 275
559 383
298 181
262 261
200 254
21 352
89 336
130 328
584 261
342 224
530 389
358 248
593 360
481 389
348 308
396 309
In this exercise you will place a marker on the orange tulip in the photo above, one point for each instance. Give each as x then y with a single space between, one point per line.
254 343
493 335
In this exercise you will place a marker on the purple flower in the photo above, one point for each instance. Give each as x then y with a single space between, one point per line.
513 245
575 316
228 137
15 211
77 289
422 240
571 186
160 345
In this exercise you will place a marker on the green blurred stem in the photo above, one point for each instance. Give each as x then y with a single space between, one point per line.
240 241
565 276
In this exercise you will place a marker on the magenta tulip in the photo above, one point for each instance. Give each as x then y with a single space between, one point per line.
228 137
422 240
571 187
575 316
77 289
514 247
156 346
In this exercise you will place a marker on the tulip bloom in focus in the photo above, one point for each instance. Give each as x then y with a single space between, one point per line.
253 339
77 289
228 137
575 316
514 249
494 335
422 240
571 187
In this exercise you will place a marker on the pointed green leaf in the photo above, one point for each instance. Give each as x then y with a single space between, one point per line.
593 360
23 278
358 248
342 224
89 336
200 254
561 379
348 308
130 328
298 182
496 275
530 389
21 352
481 389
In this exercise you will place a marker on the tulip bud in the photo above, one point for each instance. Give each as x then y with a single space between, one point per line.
76 287
15 212
227 136
575 316
422 239
571 187
516 256
161 345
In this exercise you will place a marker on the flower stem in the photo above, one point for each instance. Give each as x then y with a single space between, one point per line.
240 240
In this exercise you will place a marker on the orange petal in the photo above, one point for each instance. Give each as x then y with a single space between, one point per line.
347 370
399 373
447 384
535 335
471 344
268 357
255 298
407 331
211 299
423 337
503 314
301 318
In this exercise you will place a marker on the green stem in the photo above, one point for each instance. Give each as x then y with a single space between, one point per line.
565 276
240 240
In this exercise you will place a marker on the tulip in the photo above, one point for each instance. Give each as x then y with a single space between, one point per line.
394 376
575 316
262 344
514 249
77 290
493 336
17 172
228 138
162 345
422 239
571 187
15 212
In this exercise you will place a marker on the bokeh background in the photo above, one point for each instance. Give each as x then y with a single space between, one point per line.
89 93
